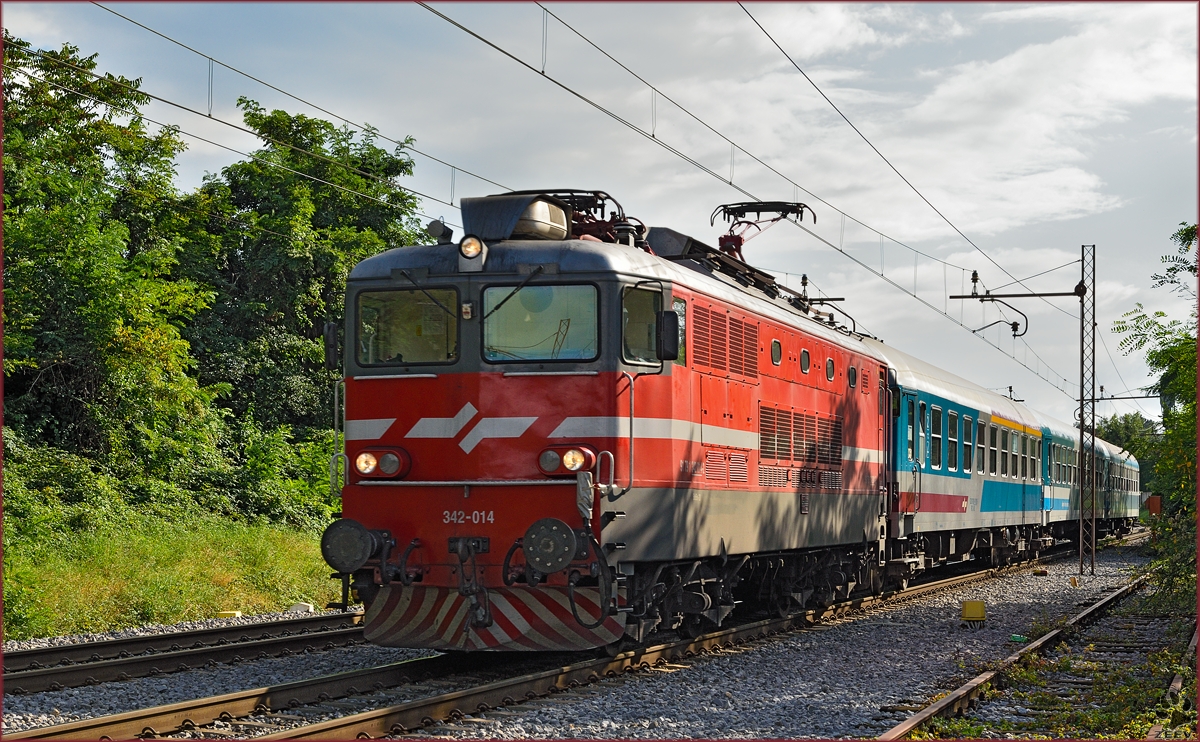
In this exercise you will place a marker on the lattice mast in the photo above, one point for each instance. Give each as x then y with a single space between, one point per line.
1087 408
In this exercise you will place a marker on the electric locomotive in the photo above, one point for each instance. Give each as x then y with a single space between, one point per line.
569 429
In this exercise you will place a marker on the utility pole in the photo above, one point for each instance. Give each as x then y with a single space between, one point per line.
1086 453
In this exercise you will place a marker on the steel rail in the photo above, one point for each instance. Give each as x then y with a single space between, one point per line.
962 697
106 649
175 717
188 714
124 668
420 712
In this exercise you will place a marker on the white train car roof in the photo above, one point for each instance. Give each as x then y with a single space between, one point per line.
913 373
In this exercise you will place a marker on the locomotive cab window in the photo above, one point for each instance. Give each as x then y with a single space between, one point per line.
805 362
639 310
776 352
680 307
407 326
540 323
829 369
852 375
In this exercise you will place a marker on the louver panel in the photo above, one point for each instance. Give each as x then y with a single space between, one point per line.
701 336
718 337
750 353
768 447
737 346
739 469
714 466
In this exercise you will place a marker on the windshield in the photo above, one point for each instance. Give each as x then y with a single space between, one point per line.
401 327
540 323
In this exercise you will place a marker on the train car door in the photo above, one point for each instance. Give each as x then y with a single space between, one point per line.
908 469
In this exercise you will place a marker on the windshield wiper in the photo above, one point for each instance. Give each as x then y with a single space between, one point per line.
423 291
520 286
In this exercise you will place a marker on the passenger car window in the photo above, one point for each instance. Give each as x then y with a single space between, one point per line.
407 326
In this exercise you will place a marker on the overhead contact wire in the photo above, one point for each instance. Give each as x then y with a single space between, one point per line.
173 127
297 98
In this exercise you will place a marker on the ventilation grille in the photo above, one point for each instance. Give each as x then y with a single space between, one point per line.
714 466
801 480
799 437
723 343
739 469
772 476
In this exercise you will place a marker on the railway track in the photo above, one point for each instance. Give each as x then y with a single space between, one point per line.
88 663
401 696
1108 638
417 692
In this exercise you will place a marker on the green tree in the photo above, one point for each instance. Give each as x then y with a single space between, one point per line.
1169 346
285 230
1135 434
95 359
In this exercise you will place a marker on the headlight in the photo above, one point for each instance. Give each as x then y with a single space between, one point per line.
470 247
366 462
549 461
573 459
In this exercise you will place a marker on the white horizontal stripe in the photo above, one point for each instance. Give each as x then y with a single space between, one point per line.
661 428
368 430
868 455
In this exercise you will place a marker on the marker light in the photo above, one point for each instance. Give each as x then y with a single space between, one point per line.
389 463
470 247
573 459
366 462
549 461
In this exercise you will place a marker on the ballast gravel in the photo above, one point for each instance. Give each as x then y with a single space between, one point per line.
853 678
73 704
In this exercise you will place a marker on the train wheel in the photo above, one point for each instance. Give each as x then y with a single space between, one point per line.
693 626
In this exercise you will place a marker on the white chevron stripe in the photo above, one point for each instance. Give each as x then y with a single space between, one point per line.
495 427
368 430
443 427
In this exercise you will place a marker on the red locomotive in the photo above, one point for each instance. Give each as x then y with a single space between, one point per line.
569 428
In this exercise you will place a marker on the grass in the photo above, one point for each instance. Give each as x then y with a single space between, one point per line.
1123 702
148 569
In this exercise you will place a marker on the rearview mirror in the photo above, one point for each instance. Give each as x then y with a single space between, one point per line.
667 335
331 346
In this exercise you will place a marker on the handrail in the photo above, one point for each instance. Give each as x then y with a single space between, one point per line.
632 379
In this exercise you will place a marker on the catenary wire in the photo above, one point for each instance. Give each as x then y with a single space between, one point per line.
721 178
886 160
215 144
734 144
177 205
657 92
240 128
360 127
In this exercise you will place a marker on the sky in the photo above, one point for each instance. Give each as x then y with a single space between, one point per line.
1023 132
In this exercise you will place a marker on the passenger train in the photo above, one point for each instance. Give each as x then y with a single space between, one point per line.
568 429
